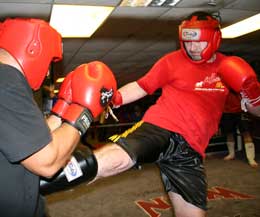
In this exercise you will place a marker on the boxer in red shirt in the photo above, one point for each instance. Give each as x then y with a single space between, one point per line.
175 131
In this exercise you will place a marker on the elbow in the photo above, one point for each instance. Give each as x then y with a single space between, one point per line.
47 165
48 172
46 169
44 163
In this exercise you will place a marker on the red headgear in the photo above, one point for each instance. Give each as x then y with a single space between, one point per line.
201 30
34 44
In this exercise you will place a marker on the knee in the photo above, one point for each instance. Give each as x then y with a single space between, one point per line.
112 159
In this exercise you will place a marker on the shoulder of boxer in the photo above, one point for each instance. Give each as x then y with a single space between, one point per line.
157 76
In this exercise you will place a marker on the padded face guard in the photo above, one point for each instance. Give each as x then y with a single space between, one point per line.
34 44
201 30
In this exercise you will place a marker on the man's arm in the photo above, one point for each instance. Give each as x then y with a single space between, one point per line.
47 161
84 94
129 93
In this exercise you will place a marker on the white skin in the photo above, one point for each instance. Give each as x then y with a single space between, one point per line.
194 48
112 159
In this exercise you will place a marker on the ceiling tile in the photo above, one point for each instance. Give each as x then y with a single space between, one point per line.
42 11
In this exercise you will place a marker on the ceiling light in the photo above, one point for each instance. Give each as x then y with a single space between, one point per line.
212 3
241 28
78 20
136 3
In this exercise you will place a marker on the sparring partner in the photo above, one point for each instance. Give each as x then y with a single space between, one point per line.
175 131
31 146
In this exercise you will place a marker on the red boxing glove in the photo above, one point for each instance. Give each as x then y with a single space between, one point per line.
93 86
239 75
250 94
64 97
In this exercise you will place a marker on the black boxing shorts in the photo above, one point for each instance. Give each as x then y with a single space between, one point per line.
182 169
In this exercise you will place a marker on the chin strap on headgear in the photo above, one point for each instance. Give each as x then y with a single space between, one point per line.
199 30
34 44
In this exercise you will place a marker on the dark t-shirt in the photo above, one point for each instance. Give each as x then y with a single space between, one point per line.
23 131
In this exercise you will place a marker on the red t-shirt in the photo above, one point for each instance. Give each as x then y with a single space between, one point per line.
192 98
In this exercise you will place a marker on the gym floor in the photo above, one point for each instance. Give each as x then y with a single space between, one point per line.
233 191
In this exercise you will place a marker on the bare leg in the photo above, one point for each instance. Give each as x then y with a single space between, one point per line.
112 159
183 208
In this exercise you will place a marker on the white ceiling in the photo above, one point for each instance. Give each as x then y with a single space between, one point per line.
133 38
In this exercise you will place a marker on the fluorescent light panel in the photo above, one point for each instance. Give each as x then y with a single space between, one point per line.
135 3
243 27
78 21
146 3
